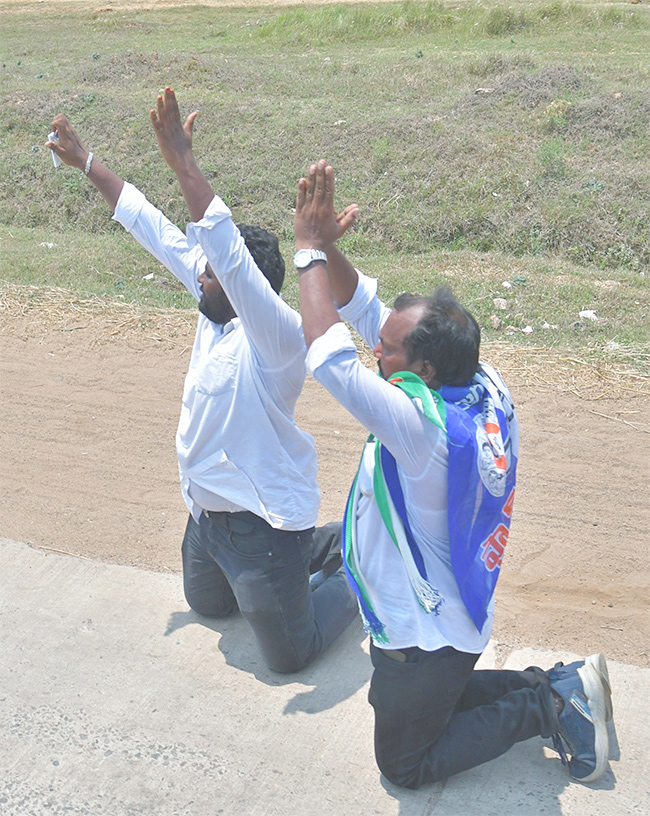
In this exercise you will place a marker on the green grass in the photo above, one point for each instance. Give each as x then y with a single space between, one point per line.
499 141
105 265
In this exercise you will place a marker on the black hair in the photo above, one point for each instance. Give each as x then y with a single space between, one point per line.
265 249
446 335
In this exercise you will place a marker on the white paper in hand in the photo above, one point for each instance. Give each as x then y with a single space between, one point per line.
54 137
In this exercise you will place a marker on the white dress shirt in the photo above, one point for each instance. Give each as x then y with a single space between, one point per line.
420 450
237 442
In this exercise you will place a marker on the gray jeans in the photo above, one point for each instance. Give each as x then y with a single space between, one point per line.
237 561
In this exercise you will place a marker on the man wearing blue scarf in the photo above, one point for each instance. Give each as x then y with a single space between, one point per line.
427 521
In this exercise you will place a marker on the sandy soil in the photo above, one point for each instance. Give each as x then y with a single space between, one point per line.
90 399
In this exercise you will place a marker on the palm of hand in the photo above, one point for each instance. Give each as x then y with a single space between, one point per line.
316 222
174 138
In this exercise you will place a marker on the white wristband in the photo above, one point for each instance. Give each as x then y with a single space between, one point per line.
89 164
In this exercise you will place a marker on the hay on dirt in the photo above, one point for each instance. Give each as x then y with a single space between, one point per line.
30 310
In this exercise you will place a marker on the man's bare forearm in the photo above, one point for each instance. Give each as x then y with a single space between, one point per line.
108 184
316 304
195 188
343 276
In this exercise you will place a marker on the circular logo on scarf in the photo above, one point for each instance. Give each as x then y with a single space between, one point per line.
492 476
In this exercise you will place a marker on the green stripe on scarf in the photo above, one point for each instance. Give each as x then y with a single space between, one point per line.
433 407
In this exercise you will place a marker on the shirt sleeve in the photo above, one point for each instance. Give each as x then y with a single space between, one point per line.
273 328
386 411
365 312
159 236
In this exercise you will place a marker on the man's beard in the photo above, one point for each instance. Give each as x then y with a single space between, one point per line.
218 310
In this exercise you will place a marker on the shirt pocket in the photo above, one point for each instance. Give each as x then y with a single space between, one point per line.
216 375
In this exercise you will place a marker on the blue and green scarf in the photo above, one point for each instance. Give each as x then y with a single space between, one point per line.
481 428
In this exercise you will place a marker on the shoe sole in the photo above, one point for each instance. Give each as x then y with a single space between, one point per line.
599 664
594 689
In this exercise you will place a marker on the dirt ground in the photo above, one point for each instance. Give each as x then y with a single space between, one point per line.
90 400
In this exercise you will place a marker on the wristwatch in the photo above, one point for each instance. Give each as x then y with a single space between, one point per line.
305 257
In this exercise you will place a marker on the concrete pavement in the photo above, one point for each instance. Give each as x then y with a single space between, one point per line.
116 700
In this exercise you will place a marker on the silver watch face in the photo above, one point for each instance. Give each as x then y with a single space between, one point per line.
304 257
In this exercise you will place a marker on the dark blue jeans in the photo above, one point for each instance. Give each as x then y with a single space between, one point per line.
436 716
237 560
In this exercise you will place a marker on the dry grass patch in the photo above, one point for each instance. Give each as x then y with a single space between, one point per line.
27 311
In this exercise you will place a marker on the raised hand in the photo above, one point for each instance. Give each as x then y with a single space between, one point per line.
174 138
72 152
316 223
69 147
